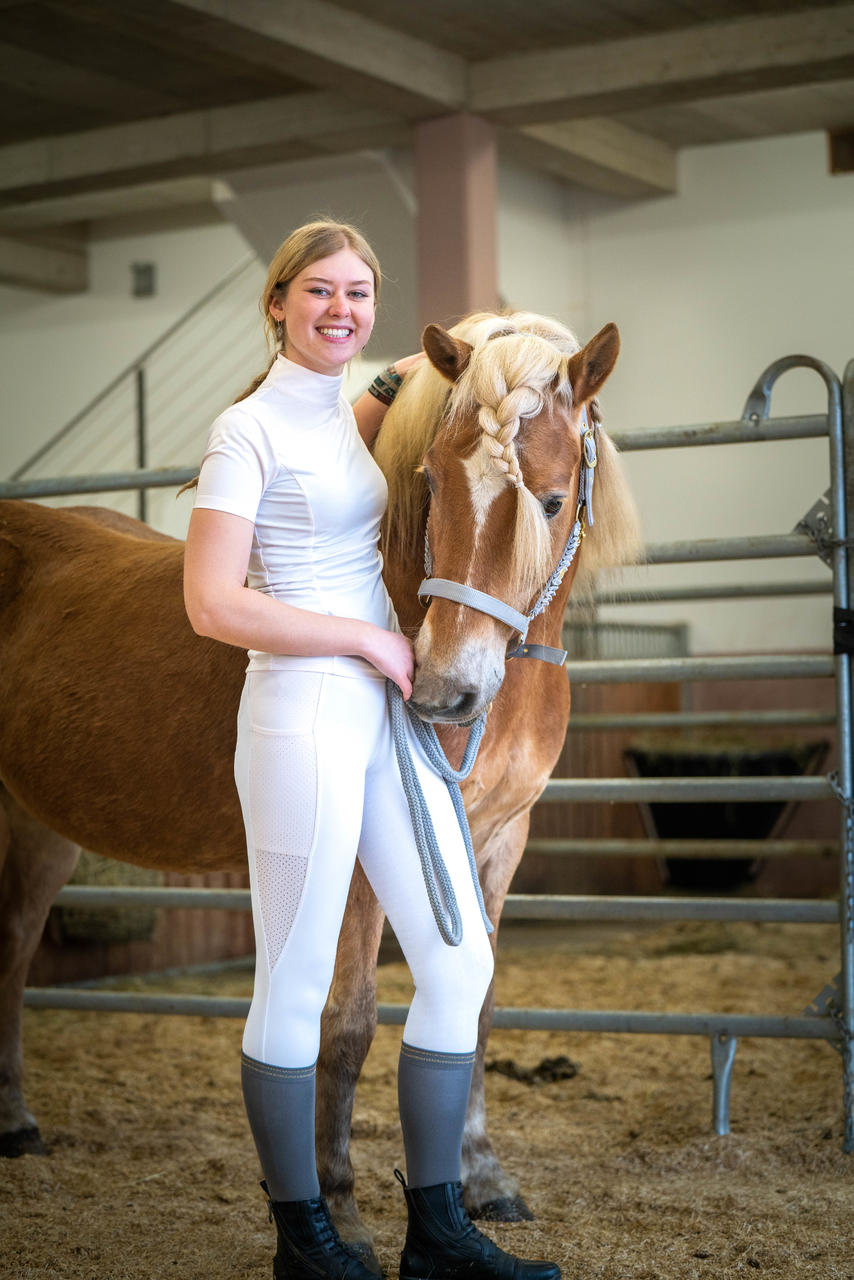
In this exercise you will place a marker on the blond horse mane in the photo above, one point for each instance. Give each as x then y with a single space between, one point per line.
517 367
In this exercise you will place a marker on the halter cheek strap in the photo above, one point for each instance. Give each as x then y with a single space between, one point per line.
459 593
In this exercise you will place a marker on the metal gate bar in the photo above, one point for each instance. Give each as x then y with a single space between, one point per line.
616 848
535 906
805 666
617 1021
764 546
735 591
517 906
685 790
742 431
109 482
598 720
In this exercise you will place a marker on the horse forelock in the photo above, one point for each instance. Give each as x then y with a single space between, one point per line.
515 374
518 367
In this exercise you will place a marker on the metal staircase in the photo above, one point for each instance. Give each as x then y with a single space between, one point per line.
157 411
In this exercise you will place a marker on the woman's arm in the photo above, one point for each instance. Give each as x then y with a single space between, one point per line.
369 411
221 606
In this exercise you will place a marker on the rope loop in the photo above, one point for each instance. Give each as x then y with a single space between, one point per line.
437 881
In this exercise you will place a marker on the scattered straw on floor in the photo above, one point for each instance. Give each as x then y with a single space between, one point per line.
152 1173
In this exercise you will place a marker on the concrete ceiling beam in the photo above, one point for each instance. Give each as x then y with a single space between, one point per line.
193 142
703 61
48 268
597 154
336 49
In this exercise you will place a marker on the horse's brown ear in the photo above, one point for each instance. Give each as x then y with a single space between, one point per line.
447 354
589 368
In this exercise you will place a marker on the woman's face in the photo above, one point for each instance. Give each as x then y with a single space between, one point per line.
328 312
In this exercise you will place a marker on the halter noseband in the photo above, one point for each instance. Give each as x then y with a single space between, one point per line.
459 593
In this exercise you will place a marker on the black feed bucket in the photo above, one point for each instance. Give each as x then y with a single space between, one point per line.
718 820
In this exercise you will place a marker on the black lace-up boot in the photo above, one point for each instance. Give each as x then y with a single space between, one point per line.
442 1242
309 1247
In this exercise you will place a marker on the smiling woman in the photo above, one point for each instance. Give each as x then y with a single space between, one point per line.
282 559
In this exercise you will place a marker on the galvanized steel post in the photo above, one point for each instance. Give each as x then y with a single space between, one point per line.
842 483
141 440
841 432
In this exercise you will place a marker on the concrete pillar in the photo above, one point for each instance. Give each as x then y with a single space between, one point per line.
456 178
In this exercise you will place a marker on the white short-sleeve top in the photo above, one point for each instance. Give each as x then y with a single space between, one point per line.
290 459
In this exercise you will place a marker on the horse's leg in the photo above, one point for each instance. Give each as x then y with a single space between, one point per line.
349 1022
34 864
489 1191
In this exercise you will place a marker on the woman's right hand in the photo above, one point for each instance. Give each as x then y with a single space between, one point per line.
393 655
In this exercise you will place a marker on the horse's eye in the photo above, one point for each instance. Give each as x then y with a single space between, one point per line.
428 477
551 505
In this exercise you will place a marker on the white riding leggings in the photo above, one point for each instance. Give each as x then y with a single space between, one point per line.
319 785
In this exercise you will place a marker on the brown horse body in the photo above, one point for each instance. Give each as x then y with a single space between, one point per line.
118 722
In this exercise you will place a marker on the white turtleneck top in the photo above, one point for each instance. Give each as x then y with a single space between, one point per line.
290 459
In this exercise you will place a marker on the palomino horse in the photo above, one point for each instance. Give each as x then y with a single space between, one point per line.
117 730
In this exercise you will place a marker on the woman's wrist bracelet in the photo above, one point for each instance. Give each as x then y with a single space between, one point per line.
386 385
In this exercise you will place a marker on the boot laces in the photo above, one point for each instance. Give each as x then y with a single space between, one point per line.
327 1233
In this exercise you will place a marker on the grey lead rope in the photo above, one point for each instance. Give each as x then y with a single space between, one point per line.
440 889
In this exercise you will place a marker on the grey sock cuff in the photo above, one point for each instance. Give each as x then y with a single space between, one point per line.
271 1072
433 1058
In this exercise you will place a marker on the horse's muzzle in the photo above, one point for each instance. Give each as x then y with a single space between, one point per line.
466 707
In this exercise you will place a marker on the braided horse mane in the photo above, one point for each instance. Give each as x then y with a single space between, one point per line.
518 367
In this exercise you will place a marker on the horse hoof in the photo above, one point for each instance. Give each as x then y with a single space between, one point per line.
22 1142
504 1209
366 1255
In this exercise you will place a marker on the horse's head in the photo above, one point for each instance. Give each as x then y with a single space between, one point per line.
500 471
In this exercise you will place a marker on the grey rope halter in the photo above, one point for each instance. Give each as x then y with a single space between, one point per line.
440 890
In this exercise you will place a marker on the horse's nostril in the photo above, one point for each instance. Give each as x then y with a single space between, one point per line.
465 702
450 710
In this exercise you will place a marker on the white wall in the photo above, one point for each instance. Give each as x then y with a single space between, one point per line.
57 351
750 262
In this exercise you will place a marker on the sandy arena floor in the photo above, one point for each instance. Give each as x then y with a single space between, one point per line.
152 1173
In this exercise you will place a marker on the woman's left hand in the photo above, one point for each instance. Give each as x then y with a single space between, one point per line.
405 363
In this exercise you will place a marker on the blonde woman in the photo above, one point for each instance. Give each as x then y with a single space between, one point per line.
282 559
